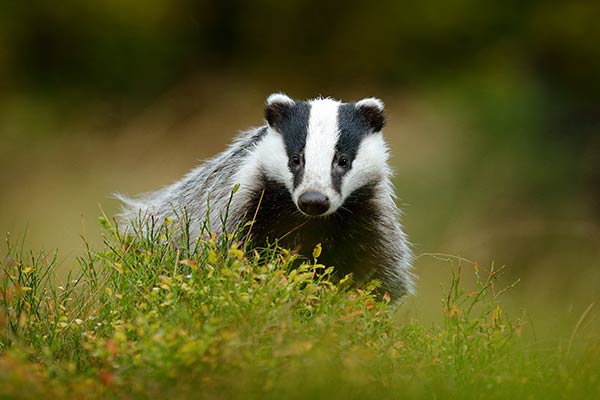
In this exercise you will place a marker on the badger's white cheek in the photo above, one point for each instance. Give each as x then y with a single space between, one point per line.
360 175
369 165
270 155
351 181
295 194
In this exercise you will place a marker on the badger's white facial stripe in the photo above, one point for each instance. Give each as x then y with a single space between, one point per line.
269 155
321 140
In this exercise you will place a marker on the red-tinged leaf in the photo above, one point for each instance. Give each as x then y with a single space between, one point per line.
105 377
518 330
454 311
112 347
386 297
352 314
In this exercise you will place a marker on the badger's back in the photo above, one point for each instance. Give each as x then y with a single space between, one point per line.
316 173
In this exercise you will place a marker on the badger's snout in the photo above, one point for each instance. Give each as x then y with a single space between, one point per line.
313 203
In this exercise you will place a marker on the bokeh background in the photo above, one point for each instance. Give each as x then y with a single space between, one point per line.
493 119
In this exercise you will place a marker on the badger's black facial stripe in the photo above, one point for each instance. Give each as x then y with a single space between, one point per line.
340 166
353 126
292 123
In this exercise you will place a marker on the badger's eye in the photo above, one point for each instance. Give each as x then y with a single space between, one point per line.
343 162
296 160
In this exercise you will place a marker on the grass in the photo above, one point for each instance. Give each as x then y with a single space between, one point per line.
152 316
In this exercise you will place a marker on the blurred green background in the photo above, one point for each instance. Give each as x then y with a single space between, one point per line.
493 118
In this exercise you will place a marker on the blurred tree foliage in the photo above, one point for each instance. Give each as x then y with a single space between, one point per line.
543 57
130 47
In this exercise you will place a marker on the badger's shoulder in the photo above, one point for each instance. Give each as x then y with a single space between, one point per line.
211 182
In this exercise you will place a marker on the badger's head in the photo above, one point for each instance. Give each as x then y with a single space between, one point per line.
323 150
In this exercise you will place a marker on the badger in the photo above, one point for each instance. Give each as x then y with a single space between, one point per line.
316 172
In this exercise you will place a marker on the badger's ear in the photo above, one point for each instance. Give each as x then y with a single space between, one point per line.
277 106
372 110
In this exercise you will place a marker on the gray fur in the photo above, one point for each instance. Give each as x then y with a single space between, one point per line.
207 187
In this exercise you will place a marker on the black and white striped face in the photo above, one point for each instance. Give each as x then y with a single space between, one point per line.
324 150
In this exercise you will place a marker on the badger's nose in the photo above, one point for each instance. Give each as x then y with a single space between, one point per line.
313 203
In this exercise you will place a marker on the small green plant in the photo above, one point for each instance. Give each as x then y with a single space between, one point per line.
154 314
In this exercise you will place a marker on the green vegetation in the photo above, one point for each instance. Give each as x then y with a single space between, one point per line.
494 127
150 316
